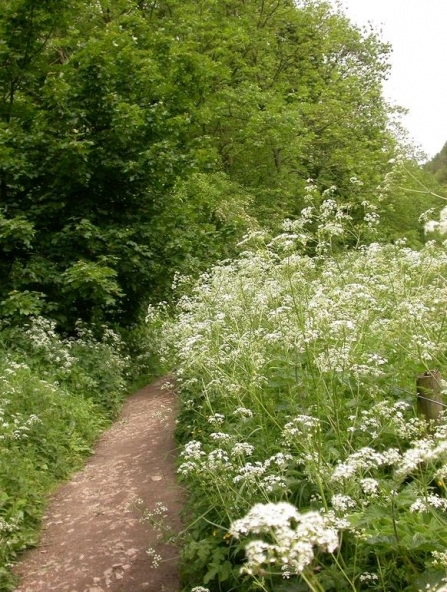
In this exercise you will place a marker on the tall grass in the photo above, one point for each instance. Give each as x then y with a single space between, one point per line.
306 465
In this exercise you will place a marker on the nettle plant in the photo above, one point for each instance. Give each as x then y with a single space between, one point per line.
306 463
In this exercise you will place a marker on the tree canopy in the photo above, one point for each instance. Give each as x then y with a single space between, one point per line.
438 165
142 138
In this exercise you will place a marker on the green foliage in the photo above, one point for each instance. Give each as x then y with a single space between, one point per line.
91 282
25 303
46 432
141 140
406 195
92 166
438 166
96 366
16 230
296 95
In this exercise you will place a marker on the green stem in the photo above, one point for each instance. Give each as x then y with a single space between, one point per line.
313 583
345 575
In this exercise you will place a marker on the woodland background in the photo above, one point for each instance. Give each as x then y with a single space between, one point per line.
141 139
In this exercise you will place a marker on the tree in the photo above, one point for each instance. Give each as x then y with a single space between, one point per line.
96 169
438 165
297 94
141 138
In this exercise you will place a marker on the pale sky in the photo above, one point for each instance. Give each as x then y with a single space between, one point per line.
417 31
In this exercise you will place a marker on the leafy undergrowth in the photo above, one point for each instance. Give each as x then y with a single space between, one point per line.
56 396
306 464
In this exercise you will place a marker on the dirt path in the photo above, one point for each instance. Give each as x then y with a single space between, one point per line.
93 539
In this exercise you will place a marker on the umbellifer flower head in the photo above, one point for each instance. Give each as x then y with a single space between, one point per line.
291 535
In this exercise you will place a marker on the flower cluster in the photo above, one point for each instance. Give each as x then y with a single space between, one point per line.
294 537
298 378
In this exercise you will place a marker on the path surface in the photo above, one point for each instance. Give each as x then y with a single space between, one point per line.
93 539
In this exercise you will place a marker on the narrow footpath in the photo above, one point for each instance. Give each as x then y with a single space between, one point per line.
93 539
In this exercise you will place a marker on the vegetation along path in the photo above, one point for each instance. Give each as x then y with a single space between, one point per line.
93 538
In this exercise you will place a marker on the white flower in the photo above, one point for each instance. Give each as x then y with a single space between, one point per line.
301 424
242 448
294 535
363 460
217 418
187 468
220 436
369 577
265 517
440 558
280 459
243 412
249 472
156 558
193 450
428 502
341 503
423 451
274 483
369 486
217 458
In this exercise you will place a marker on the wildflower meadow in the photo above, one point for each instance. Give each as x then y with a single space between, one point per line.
306 464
